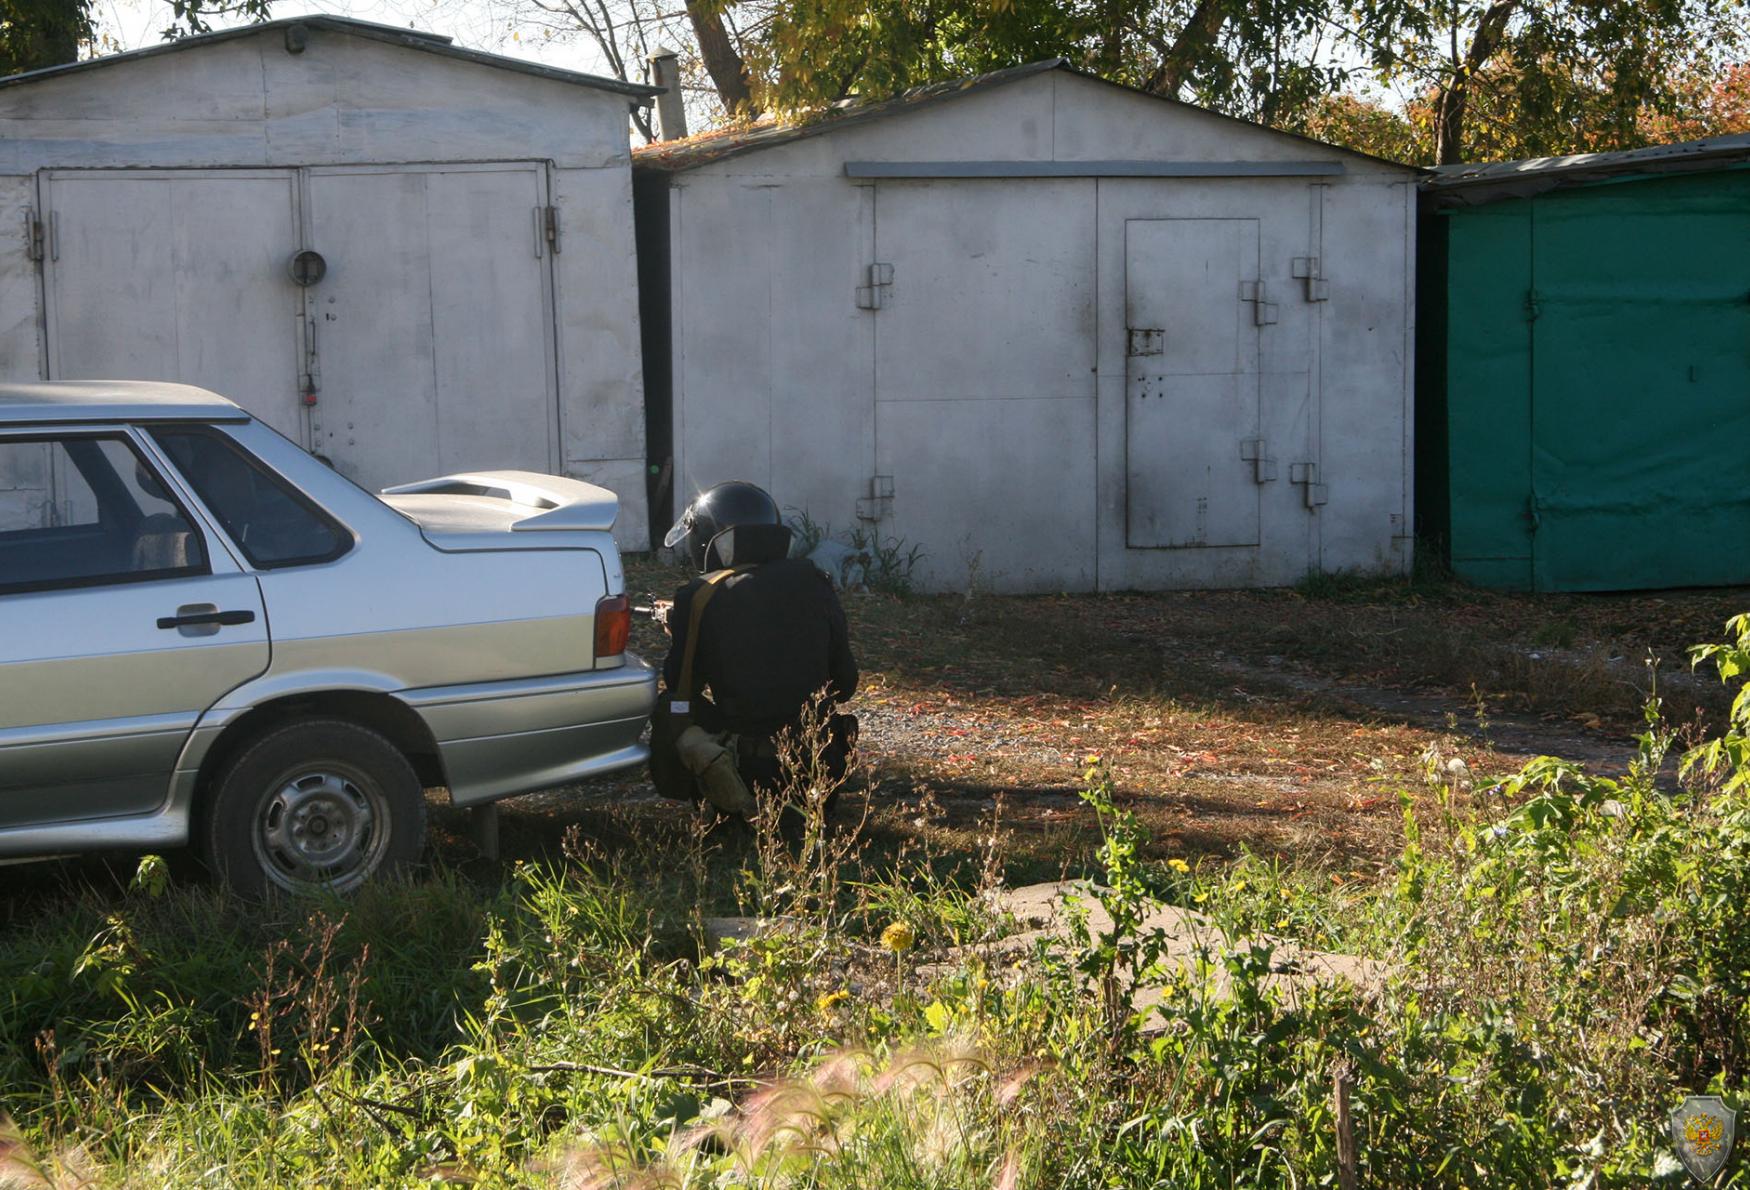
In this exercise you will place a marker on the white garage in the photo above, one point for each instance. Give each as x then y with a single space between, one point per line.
408 257
1060 334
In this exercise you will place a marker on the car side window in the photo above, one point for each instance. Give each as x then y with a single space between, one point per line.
272 522
83 510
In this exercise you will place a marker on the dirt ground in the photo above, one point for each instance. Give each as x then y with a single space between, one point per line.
1284 722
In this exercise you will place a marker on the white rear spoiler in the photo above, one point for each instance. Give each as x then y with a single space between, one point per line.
555 502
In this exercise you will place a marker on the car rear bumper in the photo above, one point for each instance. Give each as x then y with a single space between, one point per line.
498 739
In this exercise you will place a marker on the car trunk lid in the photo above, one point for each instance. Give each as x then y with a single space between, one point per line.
503 509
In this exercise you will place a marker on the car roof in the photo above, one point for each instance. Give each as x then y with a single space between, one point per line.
63 401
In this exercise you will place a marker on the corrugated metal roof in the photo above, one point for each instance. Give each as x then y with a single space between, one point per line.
1473 184
414 39
706 147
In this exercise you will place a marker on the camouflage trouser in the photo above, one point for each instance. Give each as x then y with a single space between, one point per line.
756 758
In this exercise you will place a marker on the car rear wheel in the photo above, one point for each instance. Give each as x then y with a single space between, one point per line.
316 805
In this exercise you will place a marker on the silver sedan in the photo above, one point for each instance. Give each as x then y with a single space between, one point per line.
209 637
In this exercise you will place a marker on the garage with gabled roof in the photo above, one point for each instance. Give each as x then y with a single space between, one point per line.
1055 333
408 256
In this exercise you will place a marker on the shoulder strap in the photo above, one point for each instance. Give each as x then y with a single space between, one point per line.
696 617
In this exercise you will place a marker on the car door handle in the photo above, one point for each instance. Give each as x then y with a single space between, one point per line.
196 619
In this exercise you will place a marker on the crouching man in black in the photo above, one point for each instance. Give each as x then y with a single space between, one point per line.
762 633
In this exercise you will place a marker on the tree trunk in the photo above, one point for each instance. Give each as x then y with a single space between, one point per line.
722 62
1449 112
1197 36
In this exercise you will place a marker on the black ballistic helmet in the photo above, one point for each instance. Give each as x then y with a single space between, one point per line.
717 510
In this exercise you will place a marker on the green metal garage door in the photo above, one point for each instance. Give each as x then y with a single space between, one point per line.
1604 444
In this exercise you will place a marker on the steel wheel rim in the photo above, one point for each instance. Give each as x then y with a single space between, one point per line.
321 826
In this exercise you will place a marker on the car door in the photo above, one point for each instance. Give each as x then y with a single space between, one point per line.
121 621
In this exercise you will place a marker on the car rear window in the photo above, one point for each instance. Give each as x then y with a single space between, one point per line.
272 522
83 510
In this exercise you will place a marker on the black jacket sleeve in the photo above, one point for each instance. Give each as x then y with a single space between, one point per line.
841 662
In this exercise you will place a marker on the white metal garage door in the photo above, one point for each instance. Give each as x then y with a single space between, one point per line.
433 328
428 345
1192 309
984 378
177 275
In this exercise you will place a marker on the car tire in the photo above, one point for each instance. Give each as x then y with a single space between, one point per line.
316 805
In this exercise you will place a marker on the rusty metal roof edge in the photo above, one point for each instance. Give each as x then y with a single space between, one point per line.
416 39
706 148
710 147
1476 184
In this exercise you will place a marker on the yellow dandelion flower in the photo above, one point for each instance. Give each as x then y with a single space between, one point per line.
831 1000
898 937
1178 865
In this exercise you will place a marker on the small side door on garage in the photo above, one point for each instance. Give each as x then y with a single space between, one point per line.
1191 383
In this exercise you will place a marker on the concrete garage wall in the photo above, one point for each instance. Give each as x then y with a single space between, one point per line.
991 384
417 124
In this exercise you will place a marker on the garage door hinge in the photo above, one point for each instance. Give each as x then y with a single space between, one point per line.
1308 269
1264 311
33 235
1532 306
1263 467
874 295
879 502
1307 475
546 230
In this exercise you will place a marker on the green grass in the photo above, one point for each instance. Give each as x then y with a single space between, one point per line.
1565 956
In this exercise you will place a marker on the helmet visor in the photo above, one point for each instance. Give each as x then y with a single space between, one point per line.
678 531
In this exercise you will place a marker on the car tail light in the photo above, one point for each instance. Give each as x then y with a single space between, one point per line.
613 626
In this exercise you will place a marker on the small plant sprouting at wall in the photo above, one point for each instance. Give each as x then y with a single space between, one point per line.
860 559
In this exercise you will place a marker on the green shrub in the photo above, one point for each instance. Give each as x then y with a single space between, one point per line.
1563 954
